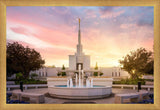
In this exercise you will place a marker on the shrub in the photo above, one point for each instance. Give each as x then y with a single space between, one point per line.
19 76
31 81
33 75
101 74
58 74
63 73
130 81
95 74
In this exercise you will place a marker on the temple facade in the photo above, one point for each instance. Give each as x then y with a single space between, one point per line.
79 58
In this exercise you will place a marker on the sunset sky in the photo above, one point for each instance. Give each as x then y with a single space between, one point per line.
107 33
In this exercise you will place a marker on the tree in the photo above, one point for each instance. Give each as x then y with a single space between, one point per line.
63 68
52 66
138 62
22 59
63 73
96 67
149 69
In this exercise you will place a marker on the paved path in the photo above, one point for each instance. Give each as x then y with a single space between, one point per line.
108 100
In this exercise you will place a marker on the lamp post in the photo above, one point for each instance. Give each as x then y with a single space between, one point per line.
21 86
139 86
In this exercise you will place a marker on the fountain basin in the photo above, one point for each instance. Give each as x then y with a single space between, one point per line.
62 91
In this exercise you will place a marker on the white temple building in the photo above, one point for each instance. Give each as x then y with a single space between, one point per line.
79 58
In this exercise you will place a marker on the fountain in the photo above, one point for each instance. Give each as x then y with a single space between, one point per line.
71 82
68 83
79 90
91 82
87 83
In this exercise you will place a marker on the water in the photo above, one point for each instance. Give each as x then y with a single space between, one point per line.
77 87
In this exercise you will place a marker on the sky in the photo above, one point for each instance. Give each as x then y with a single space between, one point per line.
107 33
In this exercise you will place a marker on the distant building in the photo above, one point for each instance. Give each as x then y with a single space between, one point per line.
115 72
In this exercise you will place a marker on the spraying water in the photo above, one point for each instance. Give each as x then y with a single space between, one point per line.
68 83
89 82
71 82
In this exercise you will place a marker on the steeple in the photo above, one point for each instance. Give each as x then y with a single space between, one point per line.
79 34
79 45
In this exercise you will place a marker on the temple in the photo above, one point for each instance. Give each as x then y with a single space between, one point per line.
79 58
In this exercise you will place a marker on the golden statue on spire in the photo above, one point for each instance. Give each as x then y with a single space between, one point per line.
79 20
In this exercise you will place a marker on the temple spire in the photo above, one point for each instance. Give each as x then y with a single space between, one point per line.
79 34
79 45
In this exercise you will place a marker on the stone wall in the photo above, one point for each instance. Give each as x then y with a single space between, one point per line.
102 81
52 81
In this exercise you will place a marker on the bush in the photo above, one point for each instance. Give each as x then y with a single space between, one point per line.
95 74
130 81
31 81
63 73
33 75
58 74
19 76
101 74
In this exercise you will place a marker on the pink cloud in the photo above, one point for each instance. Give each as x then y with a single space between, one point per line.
61 10
65 37
90 13
21 30
111 14
126 26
